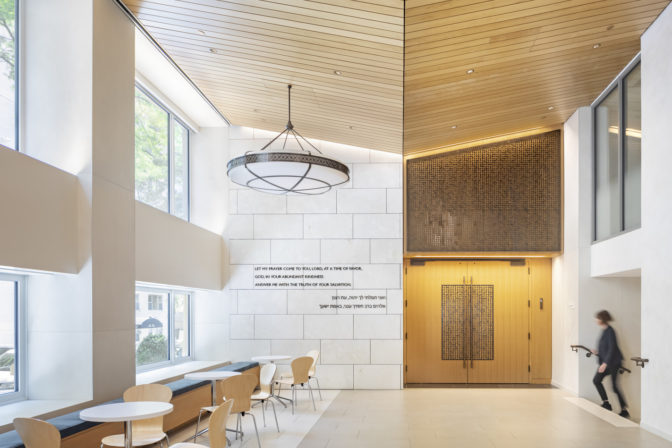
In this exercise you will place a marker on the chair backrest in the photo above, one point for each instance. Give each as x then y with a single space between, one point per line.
315 354
217 426
149 392
266 377
300 368
37 433
239 388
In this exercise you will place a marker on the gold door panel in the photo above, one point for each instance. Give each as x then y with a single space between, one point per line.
424 351
511 323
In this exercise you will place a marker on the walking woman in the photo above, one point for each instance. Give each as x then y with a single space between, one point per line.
610 359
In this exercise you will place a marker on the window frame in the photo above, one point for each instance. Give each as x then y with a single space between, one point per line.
172 119
172 359
616 83
20 392
17 74
18 42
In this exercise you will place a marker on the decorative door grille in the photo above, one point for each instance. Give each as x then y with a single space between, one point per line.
467 322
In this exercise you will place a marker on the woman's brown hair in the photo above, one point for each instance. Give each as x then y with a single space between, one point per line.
604 317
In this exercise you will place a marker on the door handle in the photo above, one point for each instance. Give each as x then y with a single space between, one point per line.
471 324
541 303
464 323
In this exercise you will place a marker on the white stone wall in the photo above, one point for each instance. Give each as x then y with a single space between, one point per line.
656 219
358 223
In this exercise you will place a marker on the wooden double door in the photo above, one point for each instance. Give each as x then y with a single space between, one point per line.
473 322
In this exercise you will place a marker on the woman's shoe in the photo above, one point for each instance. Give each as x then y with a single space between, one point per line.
606 405
624 413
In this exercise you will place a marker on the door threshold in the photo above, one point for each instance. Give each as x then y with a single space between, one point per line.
477 386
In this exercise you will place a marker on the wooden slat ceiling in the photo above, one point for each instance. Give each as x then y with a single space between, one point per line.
243 53
533 62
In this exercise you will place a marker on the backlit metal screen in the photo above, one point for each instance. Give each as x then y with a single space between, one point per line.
502 197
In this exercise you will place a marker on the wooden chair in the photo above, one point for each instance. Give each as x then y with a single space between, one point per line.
315 354
149 431
37 433
216 428
263 396
300 369
240 388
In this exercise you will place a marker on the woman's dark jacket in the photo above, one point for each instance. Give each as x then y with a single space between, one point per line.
608 351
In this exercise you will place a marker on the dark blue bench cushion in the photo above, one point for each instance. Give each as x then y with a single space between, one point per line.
70 424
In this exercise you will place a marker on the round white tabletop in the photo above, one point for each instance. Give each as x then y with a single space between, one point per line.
126 412
271 358
210 376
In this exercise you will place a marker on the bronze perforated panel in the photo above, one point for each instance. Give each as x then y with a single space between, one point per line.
453 328
501 197
482 298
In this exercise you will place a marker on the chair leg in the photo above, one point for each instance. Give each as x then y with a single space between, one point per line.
293 398
254 420
263 412
310 389
198 422
319 389
275 415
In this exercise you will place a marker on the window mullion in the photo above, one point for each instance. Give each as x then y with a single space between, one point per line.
171 164
621 152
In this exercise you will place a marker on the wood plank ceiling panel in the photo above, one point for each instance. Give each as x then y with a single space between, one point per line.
343 57
534 62
360 67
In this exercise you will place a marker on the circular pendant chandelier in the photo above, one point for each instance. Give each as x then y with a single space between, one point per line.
288 172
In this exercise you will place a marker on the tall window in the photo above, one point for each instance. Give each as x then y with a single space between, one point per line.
8 70
10 289
162 328
617 154
161 157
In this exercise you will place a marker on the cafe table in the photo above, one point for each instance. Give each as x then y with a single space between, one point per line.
126 412
213 376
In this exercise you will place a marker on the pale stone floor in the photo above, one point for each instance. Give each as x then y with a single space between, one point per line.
452 417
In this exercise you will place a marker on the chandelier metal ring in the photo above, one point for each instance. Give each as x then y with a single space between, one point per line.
286 172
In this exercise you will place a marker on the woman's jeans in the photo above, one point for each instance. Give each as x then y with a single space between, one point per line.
597 381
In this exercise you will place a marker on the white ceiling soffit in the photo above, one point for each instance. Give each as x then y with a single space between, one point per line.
163 80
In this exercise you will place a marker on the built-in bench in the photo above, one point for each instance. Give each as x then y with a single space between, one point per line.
188 398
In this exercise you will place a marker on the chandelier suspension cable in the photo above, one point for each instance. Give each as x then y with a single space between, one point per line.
289 107
289 129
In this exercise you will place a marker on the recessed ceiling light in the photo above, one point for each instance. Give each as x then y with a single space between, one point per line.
598 45
454 126
338 72
551 107
470 71
212 50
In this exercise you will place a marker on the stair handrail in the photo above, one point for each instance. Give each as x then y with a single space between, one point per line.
589 353
575 348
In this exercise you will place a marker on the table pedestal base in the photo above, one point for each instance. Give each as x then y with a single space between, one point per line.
128 435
